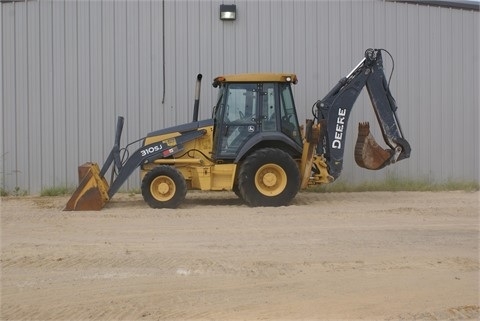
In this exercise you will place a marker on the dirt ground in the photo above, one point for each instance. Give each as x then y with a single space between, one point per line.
350 256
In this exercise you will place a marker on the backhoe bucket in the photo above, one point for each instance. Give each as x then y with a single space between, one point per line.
368 154
92 192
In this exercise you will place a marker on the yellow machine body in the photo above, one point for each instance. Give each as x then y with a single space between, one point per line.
199 171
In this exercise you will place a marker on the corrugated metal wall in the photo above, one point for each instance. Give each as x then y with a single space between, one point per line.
69 68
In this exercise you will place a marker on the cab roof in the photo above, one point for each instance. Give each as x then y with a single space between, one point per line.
256 77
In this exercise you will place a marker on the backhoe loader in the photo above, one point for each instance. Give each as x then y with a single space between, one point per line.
253 144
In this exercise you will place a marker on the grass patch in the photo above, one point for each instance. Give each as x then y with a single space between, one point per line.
17 191
133 191
56 191
394 185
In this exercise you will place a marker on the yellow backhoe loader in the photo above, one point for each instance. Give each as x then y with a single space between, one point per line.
253 144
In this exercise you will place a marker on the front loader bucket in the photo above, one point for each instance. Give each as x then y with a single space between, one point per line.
368 154
92 192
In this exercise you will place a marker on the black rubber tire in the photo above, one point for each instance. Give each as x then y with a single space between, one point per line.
164 187
268 177
236 190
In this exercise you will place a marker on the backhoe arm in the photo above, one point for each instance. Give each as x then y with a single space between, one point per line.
334 110
385 109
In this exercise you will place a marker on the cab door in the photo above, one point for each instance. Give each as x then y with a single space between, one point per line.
238 118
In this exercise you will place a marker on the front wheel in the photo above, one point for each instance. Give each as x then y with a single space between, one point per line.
269 177
164 187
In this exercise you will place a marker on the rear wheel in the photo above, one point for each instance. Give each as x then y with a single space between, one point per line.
269 177
164 187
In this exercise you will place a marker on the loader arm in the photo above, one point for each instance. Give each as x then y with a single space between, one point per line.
334 110
149 153
94 192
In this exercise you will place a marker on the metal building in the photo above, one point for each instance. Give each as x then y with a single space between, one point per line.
69 68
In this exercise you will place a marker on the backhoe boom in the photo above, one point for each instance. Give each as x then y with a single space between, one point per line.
334 109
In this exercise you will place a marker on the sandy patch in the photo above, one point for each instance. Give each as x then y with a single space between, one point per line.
384 256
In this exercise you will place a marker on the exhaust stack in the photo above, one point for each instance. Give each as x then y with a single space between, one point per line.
197 97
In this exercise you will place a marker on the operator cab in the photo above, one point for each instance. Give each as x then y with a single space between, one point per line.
254 107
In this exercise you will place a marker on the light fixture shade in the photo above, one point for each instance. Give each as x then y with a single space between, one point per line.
228 12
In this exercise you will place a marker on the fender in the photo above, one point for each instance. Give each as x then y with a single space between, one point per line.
267 136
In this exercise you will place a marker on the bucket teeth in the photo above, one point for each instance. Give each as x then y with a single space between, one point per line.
368 154
92 191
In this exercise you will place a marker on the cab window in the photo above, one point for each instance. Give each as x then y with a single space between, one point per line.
289 121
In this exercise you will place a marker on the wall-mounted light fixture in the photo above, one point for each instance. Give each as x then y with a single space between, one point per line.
228 12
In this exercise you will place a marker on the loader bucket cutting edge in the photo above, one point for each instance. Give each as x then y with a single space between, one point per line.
368 154
92 192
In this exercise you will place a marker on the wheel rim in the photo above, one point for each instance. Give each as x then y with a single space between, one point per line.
162 188
270 180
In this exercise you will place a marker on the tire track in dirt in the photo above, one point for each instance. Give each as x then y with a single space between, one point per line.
467 312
